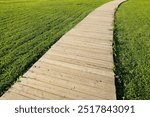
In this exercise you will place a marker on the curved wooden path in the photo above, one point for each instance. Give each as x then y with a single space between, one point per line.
78 66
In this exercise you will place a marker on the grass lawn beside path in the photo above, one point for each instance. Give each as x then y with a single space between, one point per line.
132 50
28 28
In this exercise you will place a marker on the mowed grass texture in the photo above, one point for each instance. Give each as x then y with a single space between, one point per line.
28 28
132 50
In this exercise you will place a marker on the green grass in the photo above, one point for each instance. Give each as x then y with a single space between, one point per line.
132 50
28 28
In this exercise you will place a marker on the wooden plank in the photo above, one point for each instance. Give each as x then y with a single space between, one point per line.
94 42
82 60
24 94
91 35
66 89
90 30
68 77
46 86
104 72
76 62
82 53
36 91
102 50
14 96
73 73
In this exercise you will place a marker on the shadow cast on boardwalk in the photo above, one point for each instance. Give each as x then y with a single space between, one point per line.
78 66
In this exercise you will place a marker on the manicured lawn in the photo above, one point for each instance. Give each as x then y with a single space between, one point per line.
28 28
132 50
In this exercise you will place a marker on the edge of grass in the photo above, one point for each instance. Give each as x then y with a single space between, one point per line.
117 68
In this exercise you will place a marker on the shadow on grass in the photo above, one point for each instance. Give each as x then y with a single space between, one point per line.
118 69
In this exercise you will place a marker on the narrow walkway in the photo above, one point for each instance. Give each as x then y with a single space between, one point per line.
78 66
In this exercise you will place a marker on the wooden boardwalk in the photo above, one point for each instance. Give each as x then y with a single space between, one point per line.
78 66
